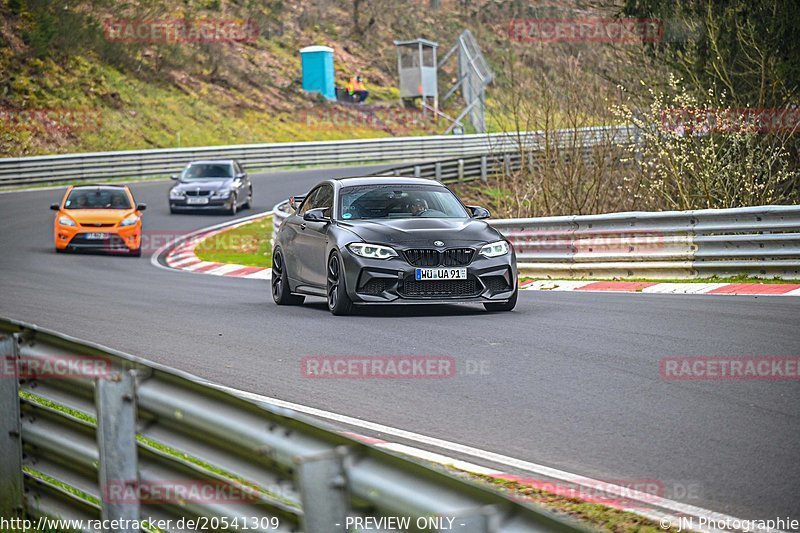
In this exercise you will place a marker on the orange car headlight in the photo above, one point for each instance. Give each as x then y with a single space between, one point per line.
65 221
130 221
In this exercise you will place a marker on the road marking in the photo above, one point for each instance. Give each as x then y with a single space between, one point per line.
652 507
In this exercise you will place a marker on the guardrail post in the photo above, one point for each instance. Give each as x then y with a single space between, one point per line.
116 440
417 171
507 163
323 491
438 171
11 485
460 170
484 168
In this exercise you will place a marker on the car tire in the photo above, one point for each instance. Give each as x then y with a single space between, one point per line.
280 282
234 206
339 302
249 203
172 210
504 306
136 253
61 250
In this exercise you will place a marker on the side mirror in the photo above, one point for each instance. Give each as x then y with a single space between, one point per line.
316 215
240 176
174 177
479 212
141 207
55 207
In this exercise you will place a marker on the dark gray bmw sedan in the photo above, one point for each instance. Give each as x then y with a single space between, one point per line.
373 241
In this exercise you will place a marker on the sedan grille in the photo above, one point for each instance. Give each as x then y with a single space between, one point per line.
449 287
198 193
457 256
423 257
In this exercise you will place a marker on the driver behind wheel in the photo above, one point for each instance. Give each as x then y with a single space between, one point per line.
418 206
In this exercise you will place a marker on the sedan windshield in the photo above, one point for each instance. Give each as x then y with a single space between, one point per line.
98 198
203 171
399 201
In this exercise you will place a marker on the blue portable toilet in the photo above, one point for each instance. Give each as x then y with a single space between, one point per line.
318 75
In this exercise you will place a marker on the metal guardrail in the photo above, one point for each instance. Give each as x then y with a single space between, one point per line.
85 446
143 163
760 242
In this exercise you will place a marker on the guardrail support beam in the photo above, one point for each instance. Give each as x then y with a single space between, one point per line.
460 170
11 486
323 491
116 439
484 169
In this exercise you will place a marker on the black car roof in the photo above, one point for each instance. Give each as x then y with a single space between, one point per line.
384 180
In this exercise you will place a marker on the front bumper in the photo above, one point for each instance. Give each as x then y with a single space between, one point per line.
382 281
183 205
121 239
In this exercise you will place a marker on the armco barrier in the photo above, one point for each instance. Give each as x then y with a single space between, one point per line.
128 439
761 242
142 163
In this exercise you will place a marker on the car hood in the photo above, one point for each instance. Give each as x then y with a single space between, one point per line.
204 185
423 231
98 216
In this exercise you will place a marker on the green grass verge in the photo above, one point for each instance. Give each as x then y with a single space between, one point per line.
249 245
596 515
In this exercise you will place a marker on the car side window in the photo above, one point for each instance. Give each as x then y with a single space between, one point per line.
324 199
308 203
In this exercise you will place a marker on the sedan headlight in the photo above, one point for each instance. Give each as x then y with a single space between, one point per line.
130 221
371 251
65 221
494 249
221 194
176 194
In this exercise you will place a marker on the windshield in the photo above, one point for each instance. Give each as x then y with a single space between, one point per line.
399 201
203 171
98 198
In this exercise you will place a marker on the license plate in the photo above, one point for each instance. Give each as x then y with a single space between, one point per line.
197 201
430 274
97 236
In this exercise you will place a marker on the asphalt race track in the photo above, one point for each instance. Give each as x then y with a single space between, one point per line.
571 380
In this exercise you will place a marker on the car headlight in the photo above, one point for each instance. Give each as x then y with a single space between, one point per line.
494 249
177 194
130 221
221 194
65 221
371 251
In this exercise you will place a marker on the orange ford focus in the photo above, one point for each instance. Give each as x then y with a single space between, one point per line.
102 218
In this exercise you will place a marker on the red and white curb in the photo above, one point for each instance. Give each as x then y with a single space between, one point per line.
653 287
183 256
